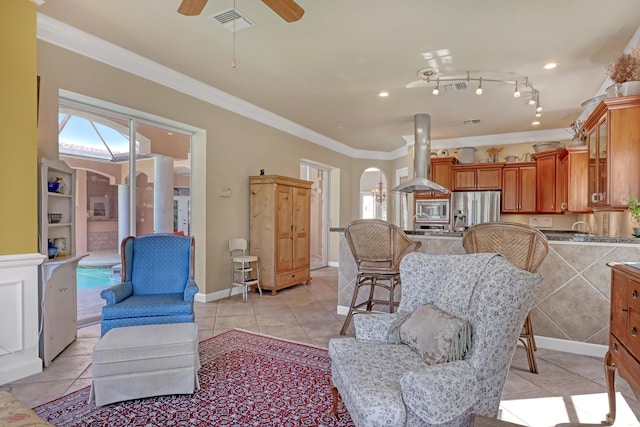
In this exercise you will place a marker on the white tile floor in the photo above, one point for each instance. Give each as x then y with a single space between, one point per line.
568 391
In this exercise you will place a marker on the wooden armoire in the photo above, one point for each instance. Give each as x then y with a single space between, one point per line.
280 230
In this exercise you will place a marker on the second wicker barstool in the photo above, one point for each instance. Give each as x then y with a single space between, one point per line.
523 246
377 247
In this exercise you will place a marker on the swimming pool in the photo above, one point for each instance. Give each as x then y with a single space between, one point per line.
87 278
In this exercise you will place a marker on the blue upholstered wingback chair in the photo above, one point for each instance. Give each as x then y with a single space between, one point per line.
157 283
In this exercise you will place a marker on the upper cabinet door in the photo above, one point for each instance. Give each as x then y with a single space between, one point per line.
284 229
614 152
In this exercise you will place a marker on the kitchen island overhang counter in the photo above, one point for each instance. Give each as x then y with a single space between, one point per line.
571 309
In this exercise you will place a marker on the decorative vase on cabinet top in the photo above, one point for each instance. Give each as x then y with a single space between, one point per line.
623 89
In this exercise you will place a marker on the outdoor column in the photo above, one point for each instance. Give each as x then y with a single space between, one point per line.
163 194
123 213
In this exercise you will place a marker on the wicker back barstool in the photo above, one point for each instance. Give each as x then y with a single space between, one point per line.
523 246
377 247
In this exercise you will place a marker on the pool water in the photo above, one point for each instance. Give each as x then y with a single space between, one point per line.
87 278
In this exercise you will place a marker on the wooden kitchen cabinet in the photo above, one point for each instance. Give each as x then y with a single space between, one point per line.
440 172
472 177
279 230
549 181
624 332
613 140
574 163
519 188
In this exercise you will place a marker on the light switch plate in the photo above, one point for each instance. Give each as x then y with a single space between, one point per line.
541 222
225 192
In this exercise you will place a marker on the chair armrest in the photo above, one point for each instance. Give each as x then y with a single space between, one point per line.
374 327
117 293
440 393
190 290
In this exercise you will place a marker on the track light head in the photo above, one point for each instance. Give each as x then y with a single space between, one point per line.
516 92
479 89
436 90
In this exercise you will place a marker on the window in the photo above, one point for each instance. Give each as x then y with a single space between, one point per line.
98 207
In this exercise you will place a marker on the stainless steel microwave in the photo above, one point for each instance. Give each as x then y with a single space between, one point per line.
432 211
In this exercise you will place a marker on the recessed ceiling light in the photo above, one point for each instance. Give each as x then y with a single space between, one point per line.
550 65
535 123
383 94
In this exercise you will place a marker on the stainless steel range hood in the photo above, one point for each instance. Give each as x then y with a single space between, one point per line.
421 159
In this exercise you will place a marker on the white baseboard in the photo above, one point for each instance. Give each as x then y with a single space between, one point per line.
334 264
343 310
217 295
577 347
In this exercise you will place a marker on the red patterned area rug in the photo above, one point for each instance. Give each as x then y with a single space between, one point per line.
246 379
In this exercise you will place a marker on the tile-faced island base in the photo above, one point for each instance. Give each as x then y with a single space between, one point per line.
571 308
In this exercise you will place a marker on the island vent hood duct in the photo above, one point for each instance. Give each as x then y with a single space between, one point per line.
421 159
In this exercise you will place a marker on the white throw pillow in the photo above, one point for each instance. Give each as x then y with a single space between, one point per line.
435 335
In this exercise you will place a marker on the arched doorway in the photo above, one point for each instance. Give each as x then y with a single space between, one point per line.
373 194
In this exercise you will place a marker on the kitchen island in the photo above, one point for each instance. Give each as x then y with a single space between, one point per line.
571 309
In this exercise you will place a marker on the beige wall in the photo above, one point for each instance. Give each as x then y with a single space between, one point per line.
19 172
236 147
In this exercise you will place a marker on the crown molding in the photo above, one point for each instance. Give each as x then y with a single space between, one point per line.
60 34
499 139
52 31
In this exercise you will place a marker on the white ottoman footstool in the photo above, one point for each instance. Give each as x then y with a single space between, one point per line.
142 361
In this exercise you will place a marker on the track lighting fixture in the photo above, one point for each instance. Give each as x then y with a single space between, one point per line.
428 75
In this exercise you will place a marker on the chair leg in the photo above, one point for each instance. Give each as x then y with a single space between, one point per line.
529 327
528 340
372 288
392 306
232 278
333 410
354 300
258 277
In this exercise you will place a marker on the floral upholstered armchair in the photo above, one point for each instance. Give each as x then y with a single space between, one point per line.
445 353
157 283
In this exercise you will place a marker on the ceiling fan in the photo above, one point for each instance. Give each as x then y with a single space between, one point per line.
289 10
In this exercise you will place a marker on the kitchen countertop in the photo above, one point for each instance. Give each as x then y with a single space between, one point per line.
552 235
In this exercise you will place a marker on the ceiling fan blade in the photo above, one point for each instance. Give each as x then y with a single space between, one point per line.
191 7
289 10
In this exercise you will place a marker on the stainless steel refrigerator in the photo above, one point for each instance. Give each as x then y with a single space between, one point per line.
474 207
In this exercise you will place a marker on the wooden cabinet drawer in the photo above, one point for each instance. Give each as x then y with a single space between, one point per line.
633 295
626 364
292 277
633 333
619 311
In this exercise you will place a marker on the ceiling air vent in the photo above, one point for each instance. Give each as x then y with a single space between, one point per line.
454 87
472 122
232 19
